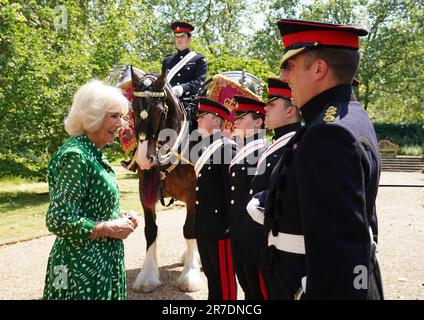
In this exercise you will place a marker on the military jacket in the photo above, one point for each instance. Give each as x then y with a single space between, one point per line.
323 191
191 76
253 236
242 170
212 198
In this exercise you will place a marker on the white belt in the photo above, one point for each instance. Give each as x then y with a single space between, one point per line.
292 243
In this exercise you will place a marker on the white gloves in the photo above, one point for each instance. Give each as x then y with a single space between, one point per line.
178 91
255 211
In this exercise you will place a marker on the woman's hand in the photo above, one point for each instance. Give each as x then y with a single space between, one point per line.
131 215
119 228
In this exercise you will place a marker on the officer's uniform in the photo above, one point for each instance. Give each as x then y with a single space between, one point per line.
211 223
242 170
191 76
321 201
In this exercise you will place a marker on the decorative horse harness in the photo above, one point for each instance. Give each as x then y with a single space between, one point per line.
163 159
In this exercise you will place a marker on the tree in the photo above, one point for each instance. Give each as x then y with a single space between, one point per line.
41 67
392 55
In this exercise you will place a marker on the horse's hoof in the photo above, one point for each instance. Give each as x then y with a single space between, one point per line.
144 284
190 281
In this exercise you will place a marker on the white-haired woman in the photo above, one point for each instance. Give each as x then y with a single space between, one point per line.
87 258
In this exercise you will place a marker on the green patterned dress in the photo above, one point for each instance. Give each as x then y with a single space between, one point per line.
83 190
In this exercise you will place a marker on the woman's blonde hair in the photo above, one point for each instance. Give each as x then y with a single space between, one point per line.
90 104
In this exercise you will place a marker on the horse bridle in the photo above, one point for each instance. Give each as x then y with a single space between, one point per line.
144 114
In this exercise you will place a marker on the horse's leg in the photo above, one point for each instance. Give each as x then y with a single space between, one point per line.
190 279
188 231
148 277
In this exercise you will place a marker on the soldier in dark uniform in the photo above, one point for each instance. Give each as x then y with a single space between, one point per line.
284 118
211 223
320 215
248 125
186 70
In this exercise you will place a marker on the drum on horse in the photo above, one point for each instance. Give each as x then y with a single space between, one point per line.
162 173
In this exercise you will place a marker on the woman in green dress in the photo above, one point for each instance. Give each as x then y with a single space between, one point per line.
87 258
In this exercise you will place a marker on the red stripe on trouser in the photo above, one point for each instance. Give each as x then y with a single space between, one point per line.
231 277
223 269
262 286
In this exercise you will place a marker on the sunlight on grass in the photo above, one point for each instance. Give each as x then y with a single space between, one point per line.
24 203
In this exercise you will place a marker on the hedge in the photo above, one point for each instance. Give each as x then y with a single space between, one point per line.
401 134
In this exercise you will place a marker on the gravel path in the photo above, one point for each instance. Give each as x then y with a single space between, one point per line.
401 222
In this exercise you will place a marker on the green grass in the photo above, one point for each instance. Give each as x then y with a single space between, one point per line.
24 203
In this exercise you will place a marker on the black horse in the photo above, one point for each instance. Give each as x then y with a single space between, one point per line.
164 171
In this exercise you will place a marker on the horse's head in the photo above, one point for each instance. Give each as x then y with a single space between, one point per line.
150 115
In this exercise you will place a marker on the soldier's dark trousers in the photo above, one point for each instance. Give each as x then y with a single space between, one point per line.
217 264
248 275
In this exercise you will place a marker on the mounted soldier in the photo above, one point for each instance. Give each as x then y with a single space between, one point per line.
186 70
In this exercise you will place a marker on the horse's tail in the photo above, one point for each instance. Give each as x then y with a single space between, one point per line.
150 186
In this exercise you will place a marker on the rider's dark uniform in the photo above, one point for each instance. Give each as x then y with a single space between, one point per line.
191 75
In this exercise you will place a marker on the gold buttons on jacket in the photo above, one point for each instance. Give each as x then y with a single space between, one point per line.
197 188
251 191
232 201
197 202
232 188
233 174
